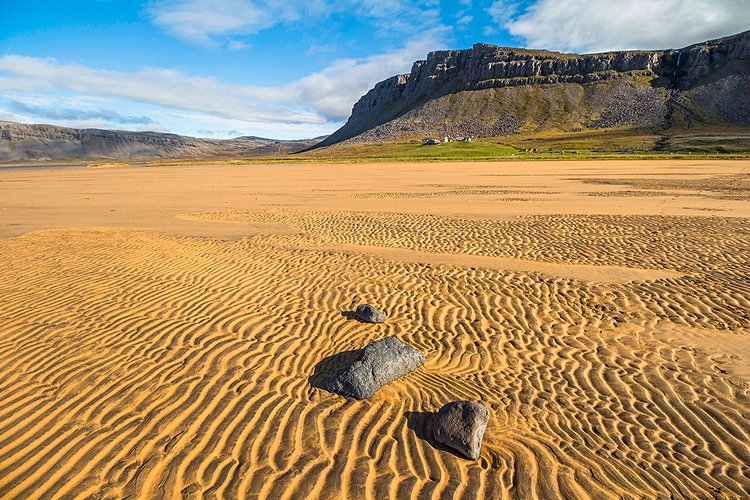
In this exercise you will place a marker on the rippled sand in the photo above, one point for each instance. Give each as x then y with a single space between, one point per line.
162 329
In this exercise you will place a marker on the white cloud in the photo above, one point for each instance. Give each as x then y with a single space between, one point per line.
78 113
335 89
102 122
163 87
237 45
502 11
208 22
601 25
202 21
317 102
222 128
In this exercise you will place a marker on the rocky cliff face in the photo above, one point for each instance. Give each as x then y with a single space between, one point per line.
19 141
670 72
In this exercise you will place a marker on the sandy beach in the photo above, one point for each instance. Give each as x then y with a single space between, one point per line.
162 329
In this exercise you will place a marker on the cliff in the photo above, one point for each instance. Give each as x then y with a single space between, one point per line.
19 142
490 90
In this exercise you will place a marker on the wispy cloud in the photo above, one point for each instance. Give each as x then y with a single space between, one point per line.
204 132
319 100
70 114
335 89
502 11
600 25
223 128
464 20
163 87
207 22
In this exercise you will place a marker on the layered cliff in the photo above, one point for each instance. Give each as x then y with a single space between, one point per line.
490 90
19 141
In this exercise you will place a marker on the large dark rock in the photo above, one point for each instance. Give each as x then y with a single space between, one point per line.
460 425
381 362
369 314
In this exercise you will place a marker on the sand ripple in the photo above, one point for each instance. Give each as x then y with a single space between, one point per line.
146 365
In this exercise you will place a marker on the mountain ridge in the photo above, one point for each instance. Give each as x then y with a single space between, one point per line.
21 142
658 82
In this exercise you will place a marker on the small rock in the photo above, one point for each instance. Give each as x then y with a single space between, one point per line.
369 314
460 425
381 362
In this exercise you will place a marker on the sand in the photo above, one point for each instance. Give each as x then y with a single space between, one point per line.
161 329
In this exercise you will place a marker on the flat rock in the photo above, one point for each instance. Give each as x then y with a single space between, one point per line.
460 425
381 362
369 314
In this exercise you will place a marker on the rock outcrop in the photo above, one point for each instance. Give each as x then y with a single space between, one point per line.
381 362
433 97
460 425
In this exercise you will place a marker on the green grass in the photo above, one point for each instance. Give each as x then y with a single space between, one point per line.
476 150
379 152
619 143
393 156
709 142
614 140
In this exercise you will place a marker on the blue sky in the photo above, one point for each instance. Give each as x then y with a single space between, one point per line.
286 69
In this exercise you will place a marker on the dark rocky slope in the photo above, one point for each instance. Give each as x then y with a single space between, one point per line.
489 90
20 142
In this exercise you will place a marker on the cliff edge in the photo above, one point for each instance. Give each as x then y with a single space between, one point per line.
489 91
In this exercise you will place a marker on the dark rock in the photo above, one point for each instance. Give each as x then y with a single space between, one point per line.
369 314
381 362
460 425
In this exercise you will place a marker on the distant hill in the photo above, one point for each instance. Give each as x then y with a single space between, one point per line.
490 91
19 142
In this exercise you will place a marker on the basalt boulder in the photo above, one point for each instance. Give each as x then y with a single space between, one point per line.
369 314
460 425
381 362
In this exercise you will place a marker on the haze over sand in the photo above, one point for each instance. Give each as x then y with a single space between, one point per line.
162 329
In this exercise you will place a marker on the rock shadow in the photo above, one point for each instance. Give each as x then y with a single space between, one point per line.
421 423
352 316
330 366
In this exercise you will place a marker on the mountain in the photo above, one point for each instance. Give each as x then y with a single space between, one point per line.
19 141
492 91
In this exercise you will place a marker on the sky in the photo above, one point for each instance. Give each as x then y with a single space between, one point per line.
287 69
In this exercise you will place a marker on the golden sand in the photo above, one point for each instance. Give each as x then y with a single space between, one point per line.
160 327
